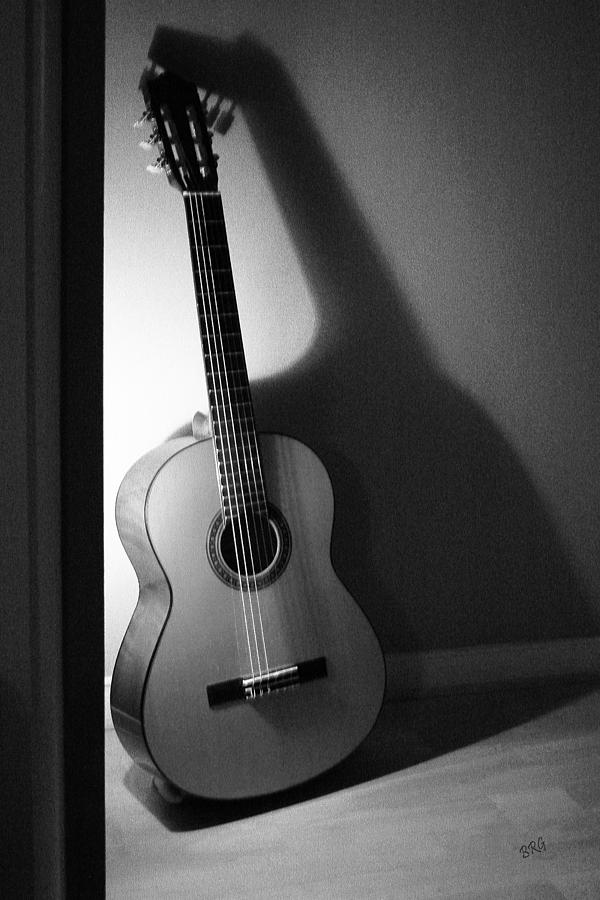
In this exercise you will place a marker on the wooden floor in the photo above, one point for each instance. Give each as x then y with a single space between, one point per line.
443 800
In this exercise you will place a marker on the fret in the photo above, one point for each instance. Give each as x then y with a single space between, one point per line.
233 409
226 375
235 482
224 364
237 457
239 488
218 344
235 421
216 306
217 255
233 381
235 494
256 506
213 274
230 453
223 372
229 359
231 469
219 280
232 414
228 350
229 334
228 390
238 493
239 428
231 462
235 513
242 441
221 313
212 207
235 454
241 499
236 449
208 205
227 397
250 485
213 232
229 342
224 398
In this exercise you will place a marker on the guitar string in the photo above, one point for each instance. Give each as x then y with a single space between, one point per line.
249 574
261 527
252 575
259 484
224 435
249 441
242 520
209 365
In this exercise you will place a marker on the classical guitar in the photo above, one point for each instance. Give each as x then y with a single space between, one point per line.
247 667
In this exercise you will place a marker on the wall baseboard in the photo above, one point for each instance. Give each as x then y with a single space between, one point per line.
490 665
411 675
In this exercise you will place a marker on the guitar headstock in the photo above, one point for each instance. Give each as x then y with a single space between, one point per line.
181 123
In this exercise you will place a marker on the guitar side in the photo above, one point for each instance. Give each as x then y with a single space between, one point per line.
152 609
183 637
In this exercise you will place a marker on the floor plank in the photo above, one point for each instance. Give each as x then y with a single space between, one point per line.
442 800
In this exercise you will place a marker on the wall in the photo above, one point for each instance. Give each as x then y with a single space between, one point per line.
411 192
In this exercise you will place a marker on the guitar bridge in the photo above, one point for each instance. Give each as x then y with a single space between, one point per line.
250 687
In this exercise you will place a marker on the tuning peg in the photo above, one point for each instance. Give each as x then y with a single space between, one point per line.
224 120
213 112
145 117
151 140
159 166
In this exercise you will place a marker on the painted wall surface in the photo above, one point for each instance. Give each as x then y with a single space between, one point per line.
411 192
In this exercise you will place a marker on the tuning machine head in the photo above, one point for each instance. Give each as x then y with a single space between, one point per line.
159 166
224 120
216 116
145 117
153 138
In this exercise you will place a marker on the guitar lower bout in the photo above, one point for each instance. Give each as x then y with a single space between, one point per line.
230 684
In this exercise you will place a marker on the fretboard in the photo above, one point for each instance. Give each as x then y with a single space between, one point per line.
231 412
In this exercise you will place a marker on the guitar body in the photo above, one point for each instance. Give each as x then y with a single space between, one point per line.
192 630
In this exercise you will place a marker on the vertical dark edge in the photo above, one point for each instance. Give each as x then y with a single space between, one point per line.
16 755
81 444
43 147
31 809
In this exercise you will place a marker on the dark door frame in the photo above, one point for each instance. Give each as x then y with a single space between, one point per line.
83 60
52 841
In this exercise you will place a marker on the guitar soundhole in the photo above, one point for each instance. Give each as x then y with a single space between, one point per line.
250 546
251 549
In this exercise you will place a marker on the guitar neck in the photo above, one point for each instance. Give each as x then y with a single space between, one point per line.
231 411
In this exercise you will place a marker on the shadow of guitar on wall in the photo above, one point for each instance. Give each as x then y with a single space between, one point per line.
439 533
